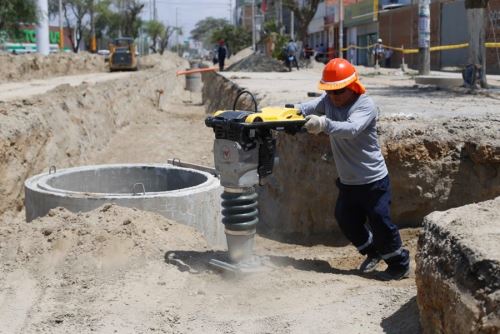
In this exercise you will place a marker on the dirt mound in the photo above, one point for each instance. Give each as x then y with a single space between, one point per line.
258 63
107 271
35 66
106 238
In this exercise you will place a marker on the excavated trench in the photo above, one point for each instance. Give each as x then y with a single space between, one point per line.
434 166
66 125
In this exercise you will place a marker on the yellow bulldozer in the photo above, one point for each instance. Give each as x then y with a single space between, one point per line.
122 56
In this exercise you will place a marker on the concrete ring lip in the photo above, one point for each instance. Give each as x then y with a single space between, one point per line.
44 182
186 195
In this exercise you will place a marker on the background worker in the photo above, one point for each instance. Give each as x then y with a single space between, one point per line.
221 54
378 53
291 50
348 116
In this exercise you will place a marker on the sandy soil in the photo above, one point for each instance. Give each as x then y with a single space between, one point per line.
34 66
107 271
176 131
21 90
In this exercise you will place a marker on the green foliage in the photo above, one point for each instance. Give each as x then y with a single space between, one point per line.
112 17
205 28
236 38
131 19
14 12
280 43
271 31
160 34
154 28
107 21
270 27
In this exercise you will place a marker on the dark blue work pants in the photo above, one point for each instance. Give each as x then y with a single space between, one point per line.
363 214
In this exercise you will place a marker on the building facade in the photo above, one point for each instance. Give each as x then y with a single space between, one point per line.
396 23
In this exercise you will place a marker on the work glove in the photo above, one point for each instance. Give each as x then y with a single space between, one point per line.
315 124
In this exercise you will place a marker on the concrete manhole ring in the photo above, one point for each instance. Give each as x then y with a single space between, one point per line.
186 195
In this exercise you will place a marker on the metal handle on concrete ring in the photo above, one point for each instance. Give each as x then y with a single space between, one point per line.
52 169
134 193
178 161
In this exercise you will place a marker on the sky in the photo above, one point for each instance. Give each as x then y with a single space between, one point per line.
188 11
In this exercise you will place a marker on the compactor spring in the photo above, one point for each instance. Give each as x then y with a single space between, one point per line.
240 210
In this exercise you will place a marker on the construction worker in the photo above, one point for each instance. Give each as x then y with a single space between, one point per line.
378 53
221 54
348 116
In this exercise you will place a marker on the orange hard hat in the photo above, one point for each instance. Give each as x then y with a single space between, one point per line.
338 74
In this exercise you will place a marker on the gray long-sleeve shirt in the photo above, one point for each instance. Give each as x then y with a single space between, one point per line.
353 137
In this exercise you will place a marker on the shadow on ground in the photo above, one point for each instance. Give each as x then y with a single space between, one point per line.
405 320
198 262
327 239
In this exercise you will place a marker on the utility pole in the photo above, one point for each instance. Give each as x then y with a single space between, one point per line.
155 13
253 25
61 29
120 10
476 29
282 27
292 23
93 44
42 28
176 30
230 12
424 37
341 28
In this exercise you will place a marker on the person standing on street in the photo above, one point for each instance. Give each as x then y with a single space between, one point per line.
349 117
378 54
221 54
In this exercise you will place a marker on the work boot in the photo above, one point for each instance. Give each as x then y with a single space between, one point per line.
370 263
394 273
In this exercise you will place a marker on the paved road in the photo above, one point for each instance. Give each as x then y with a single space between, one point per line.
24 89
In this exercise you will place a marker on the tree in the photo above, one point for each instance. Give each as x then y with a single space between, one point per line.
75 12
160 35
14 12
236 38
131 20
205 28
112 18
107 21
116 18
304 13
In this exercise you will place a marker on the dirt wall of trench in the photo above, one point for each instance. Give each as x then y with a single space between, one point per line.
458 270
65 125
219 93
35 66
432 165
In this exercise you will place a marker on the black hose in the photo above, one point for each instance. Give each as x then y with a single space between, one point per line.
241 93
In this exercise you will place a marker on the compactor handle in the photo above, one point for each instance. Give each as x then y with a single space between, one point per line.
238 97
